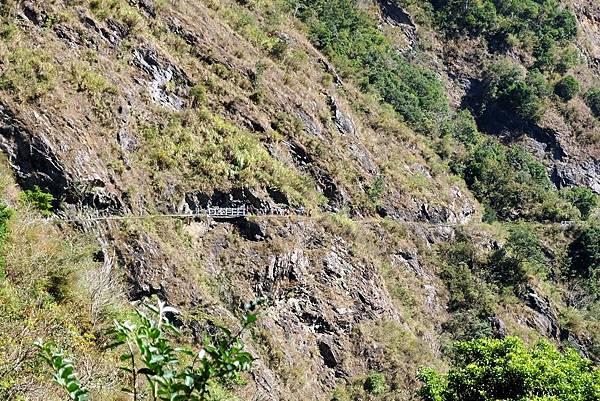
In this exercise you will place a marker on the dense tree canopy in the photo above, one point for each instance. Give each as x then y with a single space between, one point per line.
508 370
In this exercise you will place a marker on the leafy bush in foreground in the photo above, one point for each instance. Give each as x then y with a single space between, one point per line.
64 374
149 354
507 370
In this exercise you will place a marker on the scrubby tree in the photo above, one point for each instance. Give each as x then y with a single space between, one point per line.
474 17
511 183
508 370
583 198
511 89
520 256
567 88
592 99
584 252
463 128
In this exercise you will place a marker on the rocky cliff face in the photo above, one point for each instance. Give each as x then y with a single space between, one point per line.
146 107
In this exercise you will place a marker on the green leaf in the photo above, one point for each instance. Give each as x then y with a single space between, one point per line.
251 318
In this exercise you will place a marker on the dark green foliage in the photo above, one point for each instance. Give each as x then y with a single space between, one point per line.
524 244
592 99
465 288
543 27
567 88
352 39
584 252
5 215
510 89
473 17
375 384
507 370
583 198
521 255
471 300
39 199
511 183
463 128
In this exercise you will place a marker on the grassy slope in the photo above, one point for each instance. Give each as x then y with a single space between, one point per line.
38 254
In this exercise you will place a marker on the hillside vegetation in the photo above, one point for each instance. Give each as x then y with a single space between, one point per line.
421 178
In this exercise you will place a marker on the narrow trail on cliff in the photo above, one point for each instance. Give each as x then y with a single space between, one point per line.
223 214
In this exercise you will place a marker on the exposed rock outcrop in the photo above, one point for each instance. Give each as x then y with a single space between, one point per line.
168 84
31 156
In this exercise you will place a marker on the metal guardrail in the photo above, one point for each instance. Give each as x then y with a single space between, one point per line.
226 212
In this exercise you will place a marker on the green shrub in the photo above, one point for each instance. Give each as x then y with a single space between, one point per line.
584 252
509 88
5 214
592 99
474 17
376 384
39 199
471 299
524 244
583 198
464 128
567 88
507 370
521 255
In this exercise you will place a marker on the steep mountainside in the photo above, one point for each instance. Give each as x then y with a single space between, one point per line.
415 172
